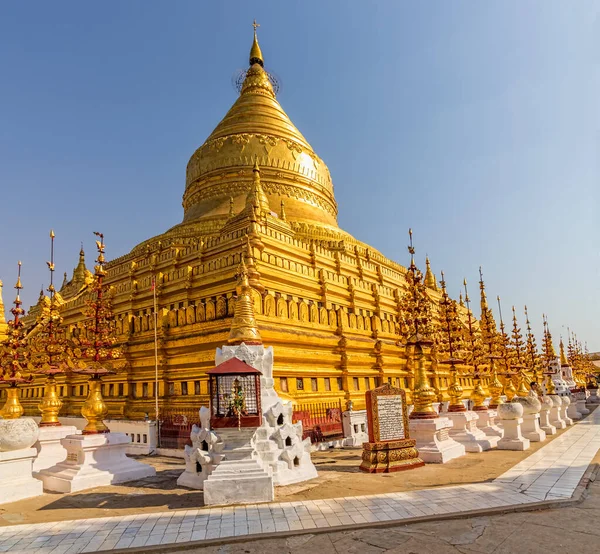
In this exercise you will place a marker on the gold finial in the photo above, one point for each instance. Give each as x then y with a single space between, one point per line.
18 285
51 267
255 52
563 357
244 328
231 212
283 217
256 198
430 281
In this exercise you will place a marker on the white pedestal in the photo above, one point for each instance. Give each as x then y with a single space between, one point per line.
531 428
594 398
487 423
545 424
16 482
356 430
573 411
464 430
581 407
556 412
433 440
94 461
49 449
513 439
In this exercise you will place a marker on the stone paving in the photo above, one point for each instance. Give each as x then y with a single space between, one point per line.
551 473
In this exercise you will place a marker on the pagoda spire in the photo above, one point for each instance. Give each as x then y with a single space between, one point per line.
2 316
244 328
257 198
487 324
531 349
255 52
549 351
430 281
563 357
14 356
80 271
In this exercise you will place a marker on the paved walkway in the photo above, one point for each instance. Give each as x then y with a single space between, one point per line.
551 473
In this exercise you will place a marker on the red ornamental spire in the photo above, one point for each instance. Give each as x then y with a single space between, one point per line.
96 342
13 353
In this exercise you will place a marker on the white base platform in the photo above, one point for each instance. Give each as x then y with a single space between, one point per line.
556 412
545 424
433 440
513 439
50 450
94 461
531 428
581 408
487 423
465 431
573 411
239 482
16 481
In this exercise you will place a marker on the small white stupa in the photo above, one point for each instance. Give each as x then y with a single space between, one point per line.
247 442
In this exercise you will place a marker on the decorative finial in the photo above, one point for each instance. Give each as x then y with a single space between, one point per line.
563 357
282 216
244 328
430 281
51 267
256 198
231 212
255 53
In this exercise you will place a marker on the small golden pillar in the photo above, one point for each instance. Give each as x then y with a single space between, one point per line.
423 395
455 392
94 408
495 389
51 404
12 408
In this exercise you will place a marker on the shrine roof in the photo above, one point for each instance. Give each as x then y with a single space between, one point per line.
234 366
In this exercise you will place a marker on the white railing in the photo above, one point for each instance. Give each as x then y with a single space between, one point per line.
143 434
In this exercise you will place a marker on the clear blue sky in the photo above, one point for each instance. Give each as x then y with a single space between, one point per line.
475 123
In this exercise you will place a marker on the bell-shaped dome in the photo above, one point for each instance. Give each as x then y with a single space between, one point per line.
256 129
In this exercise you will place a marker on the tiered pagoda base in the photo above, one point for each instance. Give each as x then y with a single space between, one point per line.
49 448
487 423
465 431
433 440
240 478
93 461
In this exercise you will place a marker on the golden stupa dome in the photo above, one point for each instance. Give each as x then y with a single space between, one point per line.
257 130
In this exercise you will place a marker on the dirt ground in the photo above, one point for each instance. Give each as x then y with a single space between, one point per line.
338 476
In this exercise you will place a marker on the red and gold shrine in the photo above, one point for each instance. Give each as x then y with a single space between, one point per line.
234 395
389 448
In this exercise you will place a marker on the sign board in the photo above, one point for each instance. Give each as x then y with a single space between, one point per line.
387 414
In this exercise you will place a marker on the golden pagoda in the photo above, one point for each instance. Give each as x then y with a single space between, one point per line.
328 303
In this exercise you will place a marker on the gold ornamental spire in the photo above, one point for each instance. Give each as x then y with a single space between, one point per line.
549 351
563 357
430 281
2 316
14 356
255 52
49 351
244 328
257 198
